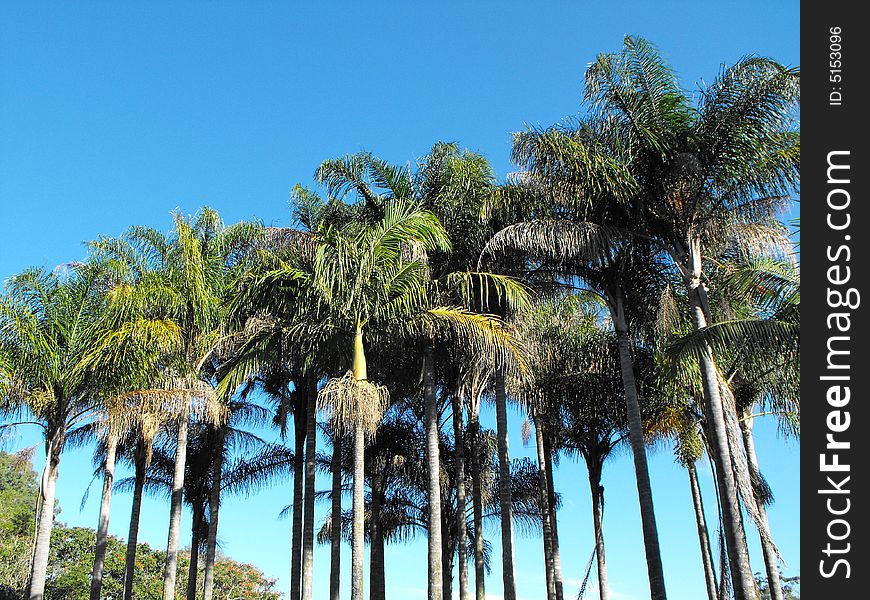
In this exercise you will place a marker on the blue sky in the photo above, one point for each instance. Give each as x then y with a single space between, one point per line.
114 115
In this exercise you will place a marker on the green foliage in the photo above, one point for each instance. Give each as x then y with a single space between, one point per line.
17 494
791 587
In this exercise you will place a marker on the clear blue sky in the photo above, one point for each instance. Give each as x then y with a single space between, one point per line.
114 115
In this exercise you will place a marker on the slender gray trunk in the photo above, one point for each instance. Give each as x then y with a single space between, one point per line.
551 496
434 466
447 551
546 522
135 512
703 534
477 506
742 580
169 571
597 521
310 473
45 523
103 524
214 505
335 534
461 503
504 488
771 564
377 585
357 550
724 589
193 567
298 488
638 450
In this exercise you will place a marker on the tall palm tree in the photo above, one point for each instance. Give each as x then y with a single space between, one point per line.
355 278
50 322
129 360
441 292
456 185
476 384
372 261
573 190
707 174
688 450
185 274
577 378
759 349
141 459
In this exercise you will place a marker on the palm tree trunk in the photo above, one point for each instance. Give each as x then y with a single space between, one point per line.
703 535
377 585
551 497
742 579
135 512
461 530
477 506
638 450
310 474
45 523
724 587
433 460
597 516
169 571
105 506
335 534
214 504
767 549
357 547
193 567
358 534
504 488
447 550
299 421
546 522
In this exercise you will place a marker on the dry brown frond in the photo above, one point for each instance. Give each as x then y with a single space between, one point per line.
353 402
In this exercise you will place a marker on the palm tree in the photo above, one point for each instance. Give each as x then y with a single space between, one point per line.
355 279
576 229
185 274
141 460
456 185
335 516
128 353
457 407
688 450
280 344
708 174
373 261
577 378
366 174
49 323
759 348
475 384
